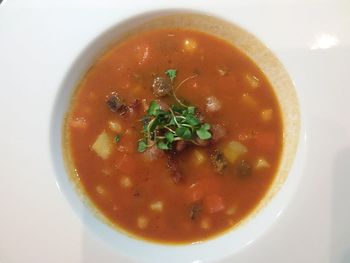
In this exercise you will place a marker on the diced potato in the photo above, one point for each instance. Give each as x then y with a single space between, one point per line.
231 210
157 206
252 81
266 115
103 145
106 171
205 223
262 163
213 104
199 157
249 101
233 150
115 126
190 45
142 222
136 90
125 182
222 70
101 190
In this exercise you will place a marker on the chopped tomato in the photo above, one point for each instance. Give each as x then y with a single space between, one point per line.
198 190
213 203
125 164
265 141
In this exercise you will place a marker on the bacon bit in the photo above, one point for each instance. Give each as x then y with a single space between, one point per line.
218 132
153 153
176 175
180 146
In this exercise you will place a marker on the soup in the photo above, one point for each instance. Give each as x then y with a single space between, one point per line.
174 135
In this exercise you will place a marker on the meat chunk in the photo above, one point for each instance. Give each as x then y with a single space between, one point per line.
195 210
116 104
218 132
161 86
244 168
218 160
180 146
176 174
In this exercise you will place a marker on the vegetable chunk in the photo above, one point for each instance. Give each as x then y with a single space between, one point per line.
233 150
103 145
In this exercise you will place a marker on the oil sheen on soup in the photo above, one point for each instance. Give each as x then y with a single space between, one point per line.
175 135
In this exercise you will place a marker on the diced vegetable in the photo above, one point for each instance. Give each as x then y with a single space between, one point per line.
249 101
78 123
190 45
157 206
205 223
115 126
101 190
266 115
231 211
222 71
125 164
103 145
195 192
125 181
252 80
212 104
265 141
233 150
213 203
261 163
199 157
142 222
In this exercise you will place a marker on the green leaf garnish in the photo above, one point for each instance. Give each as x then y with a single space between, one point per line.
171 74
153 108
203 132
142 146
163 128
117 138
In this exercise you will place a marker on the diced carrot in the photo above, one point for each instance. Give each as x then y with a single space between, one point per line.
213 203
195 193
78 123
265 141
198 190
125 164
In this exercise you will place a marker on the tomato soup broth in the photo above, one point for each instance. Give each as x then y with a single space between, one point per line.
184 187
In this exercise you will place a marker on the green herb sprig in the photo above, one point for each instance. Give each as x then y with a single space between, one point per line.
163 128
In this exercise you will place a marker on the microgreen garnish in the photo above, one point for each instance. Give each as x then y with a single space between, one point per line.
163 128
117 138
171 74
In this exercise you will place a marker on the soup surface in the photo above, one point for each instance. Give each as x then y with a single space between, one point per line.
174 135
